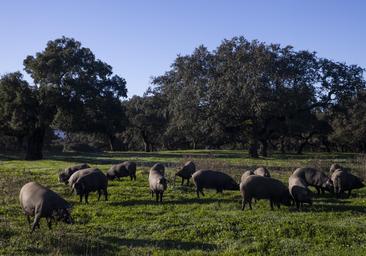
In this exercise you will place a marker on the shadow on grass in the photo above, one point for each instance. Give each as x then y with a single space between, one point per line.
162 244
331 208
171 202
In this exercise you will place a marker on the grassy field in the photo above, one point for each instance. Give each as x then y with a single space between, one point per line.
131 223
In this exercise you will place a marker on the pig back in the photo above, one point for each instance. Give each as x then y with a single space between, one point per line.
263 187
211 179
94 181
35 197
73 178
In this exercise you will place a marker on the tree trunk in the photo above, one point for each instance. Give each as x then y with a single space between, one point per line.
20 143
113 143
35 144
301 147
264 148
146 142
146 147
282 147
326 144
253 148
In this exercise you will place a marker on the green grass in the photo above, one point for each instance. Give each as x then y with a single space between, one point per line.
131 223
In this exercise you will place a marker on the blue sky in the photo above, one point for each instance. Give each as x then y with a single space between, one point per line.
141 39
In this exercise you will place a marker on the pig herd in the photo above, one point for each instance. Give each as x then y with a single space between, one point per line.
41 202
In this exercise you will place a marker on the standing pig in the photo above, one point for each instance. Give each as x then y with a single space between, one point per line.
344 181
73 178
186 172
94 181
66 174
157 183
299 191
124 169
214 180
41 202
262 171
246 175
315 178
260 187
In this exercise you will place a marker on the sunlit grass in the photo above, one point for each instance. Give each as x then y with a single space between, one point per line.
131 223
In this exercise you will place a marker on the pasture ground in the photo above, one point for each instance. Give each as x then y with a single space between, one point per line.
131 223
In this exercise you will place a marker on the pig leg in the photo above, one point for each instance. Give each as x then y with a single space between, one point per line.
243 204
99 194
182 181
152 193
36 222
86 198
81 198
198 191
157 197
161 197
29 220
105 194
219 190
202 192
250 203
188 182
271 204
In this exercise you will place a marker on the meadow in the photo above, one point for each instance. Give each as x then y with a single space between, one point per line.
131 223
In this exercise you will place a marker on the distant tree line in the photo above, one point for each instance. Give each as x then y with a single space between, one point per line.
244 95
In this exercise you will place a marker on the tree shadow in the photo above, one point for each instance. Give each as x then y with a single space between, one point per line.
170 202
331 208
10 156
162 244
330 200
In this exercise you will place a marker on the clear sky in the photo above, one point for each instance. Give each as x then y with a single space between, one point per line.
141 39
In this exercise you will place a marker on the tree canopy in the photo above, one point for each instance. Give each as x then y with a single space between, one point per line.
243 94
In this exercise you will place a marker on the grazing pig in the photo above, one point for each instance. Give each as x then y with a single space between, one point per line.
94 181
334 167
159 167
66 174
214 180
41 202
315 178
124 169
262 171
344 181
186 172
73 178
246 175
260 187
299 191
157 183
